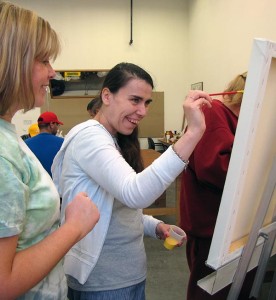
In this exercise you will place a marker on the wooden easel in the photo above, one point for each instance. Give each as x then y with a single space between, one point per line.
255 253
268 233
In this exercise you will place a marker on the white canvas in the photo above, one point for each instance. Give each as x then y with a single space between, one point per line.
251 161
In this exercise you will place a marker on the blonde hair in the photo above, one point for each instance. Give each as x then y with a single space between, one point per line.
24 37
237 84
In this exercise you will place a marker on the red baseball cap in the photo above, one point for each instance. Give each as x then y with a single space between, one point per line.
48 117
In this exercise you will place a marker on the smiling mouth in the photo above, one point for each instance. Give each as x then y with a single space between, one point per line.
133 121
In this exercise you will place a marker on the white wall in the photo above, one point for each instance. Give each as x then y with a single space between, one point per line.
179 42
22 120
96 34
220 37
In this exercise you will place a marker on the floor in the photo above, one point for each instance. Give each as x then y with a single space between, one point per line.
168 271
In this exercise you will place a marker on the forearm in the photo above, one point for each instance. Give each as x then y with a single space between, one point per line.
150 224
187 143
36 262
153 181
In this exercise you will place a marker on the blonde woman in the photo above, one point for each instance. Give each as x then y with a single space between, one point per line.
31 242
202 186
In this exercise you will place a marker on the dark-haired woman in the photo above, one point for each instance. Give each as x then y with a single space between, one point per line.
103 156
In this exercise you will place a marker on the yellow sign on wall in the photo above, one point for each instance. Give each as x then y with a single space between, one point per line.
72 74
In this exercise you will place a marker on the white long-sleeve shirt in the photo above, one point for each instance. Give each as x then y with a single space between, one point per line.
89 161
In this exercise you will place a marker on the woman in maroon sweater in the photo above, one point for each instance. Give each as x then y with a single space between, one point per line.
202 186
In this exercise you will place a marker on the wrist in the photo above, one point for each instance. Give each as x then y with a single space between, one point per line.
186 161
186 145
72 231
157 231
193 135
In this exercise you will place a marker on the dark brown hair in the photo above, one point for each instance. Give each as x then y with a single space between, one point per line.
117 78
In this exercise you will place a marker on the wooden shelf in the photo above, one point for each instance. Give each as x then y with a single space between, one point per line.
82 83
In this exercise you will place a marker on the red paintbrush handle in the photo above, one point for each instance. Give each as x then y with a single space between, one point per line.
226 93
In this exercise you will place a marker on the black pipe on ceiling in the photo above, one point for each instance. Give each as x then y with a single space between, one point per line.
131 21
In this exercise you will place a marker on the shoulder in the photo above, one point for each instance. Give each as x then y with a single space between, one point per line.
10 150
58 138
90 133
217 105
34 139
217 112
94 131
9 146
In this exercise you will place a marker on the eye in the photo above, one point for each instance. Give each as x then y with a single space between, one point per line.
148 102
46 62
135 100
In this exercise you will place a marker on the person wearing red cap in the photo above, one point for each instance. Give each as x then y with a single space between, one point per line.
46 144
50 121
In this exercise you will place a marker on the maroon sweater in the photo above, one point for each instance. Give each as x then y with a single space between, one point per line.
202 183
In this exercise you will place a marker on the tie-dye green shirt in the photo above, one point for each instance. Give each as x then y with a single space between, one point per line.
29 206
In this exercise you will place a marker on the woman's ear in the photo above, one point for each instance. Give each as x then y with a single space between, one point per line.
106 96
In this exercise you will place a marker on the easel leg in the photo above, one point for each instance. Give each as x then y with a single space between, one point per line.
272 292
254 235
268 233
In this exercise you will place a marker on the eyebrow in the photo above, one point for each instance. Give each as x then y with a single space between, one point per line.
141 98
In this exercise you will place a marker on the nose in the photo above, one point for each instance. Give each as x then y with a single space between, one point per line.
142 109
52 72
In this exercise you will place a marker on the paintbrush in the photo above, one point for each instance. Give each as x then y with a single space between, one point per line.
226 93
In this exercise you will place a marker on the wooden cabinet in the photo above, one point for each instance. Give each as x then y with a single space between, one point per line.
160 206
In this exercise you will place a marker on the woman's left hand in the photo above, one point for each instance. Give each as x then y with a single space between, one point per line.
162 231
